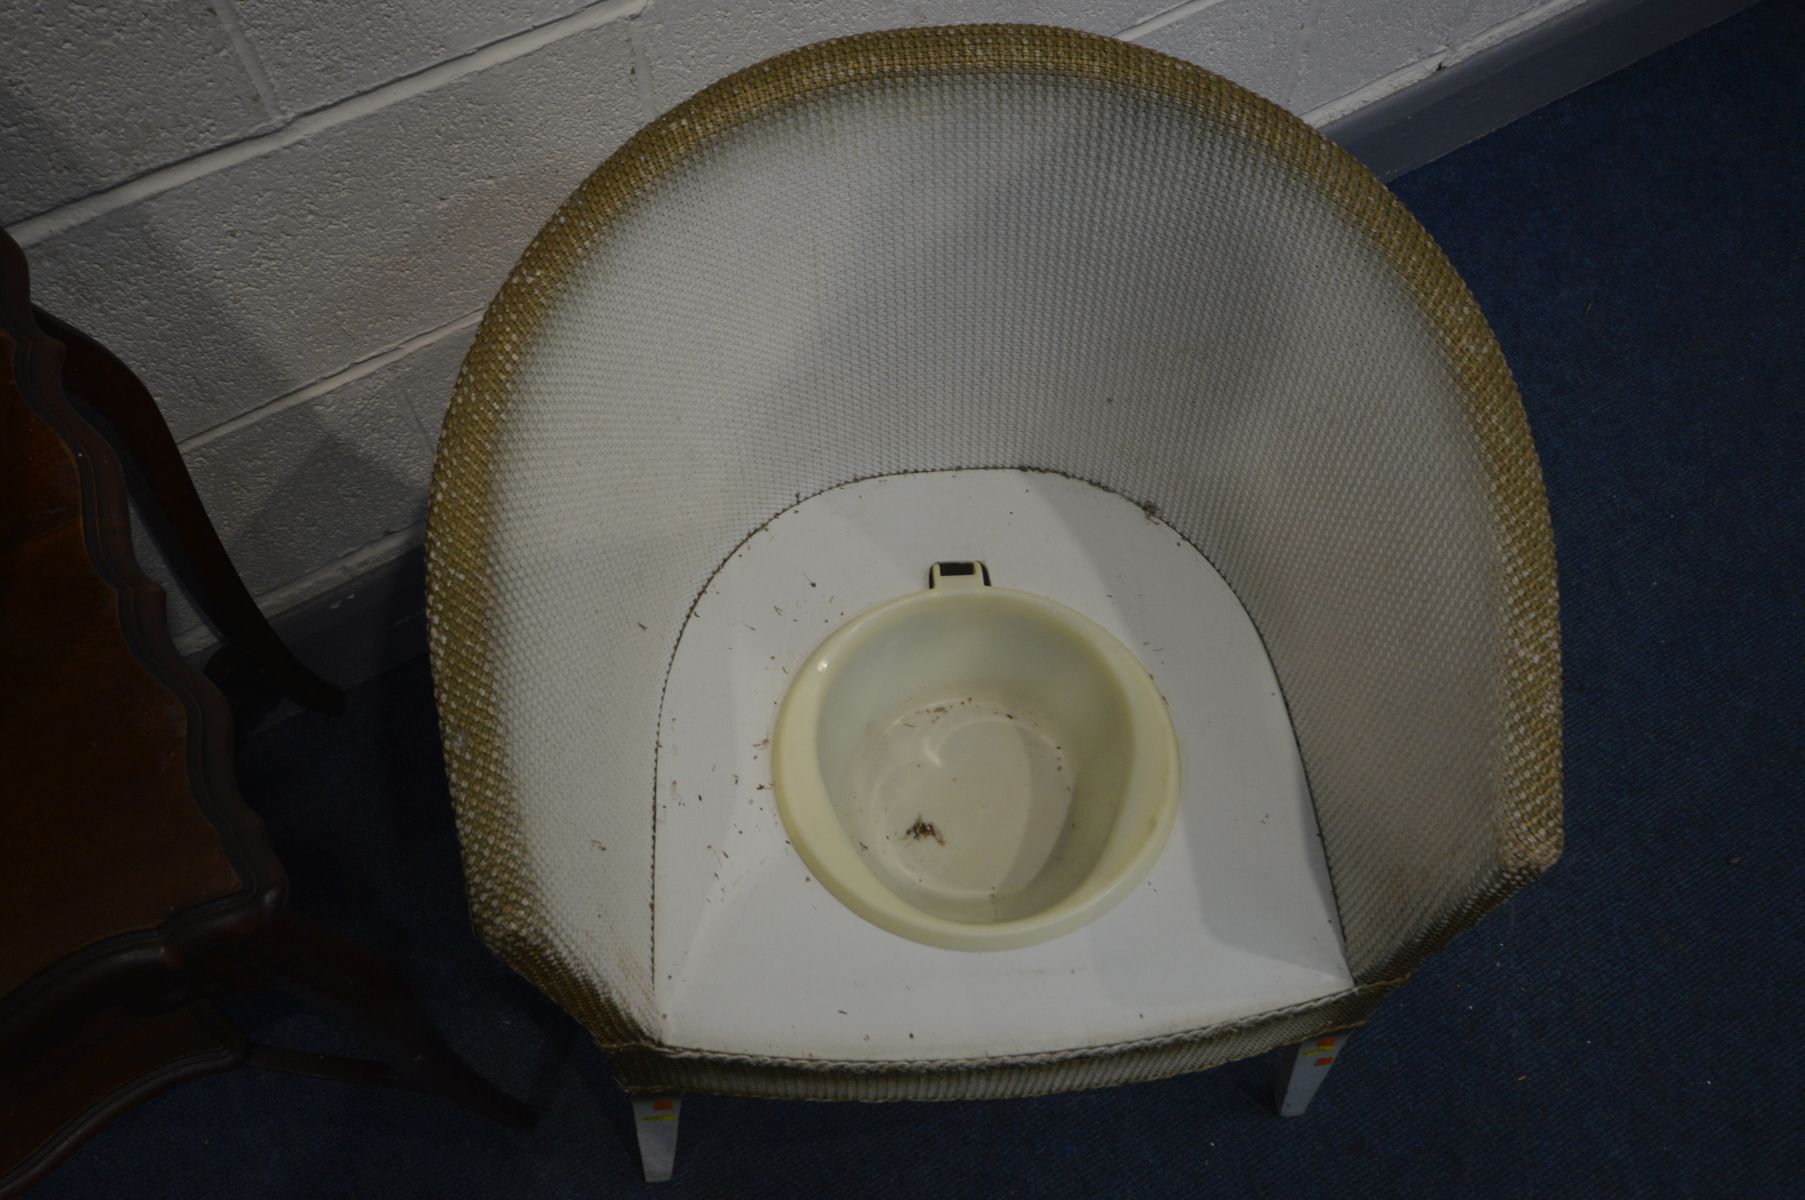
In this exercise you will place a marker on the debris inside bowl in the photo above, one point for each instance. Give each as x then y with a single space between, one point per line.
924 829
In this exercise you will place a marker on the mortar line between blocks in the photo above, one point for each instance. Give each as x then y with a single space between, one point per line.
1170 17
1413 73
642 65
334 381
248 58
1300 52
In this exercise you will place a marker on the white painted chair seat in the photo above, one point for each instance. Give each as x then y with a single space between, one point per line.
753 957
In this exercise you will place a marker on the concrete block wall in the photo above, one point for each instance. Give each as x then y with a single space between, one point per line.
288 215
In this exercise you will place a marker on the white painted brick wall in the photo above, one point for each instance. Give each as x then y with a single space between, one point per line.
96 92
691 43
318 51
1257 43
250 281
287 214
317 480
1350 43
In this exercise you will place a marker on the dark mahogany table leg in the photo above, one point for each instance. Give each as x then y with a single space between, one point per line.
115 401
353 985
318 1066
111 1061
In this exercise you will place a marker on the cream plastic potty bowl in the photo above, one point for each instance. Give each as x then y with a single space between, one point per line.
974 767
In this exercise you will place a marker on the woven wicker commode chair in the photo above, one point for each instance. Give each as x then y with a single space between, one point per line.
1135 338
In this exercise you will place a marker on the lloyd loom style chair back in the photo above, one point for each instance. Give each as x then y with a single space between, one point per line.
934 259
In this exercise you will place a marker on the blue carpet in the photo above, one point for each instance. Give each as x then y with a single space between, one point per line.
1623 1028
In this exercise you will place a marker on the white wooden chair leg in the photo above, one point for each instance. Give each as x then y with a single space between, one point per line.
655 1117
1302 1070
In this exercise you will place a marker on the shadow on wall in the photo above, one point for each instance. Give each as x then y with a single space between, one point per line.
293 487
29 184
257 301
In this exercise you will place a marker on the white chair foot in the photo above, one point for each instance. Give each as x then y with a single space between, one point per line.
655 1117
1302 1069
